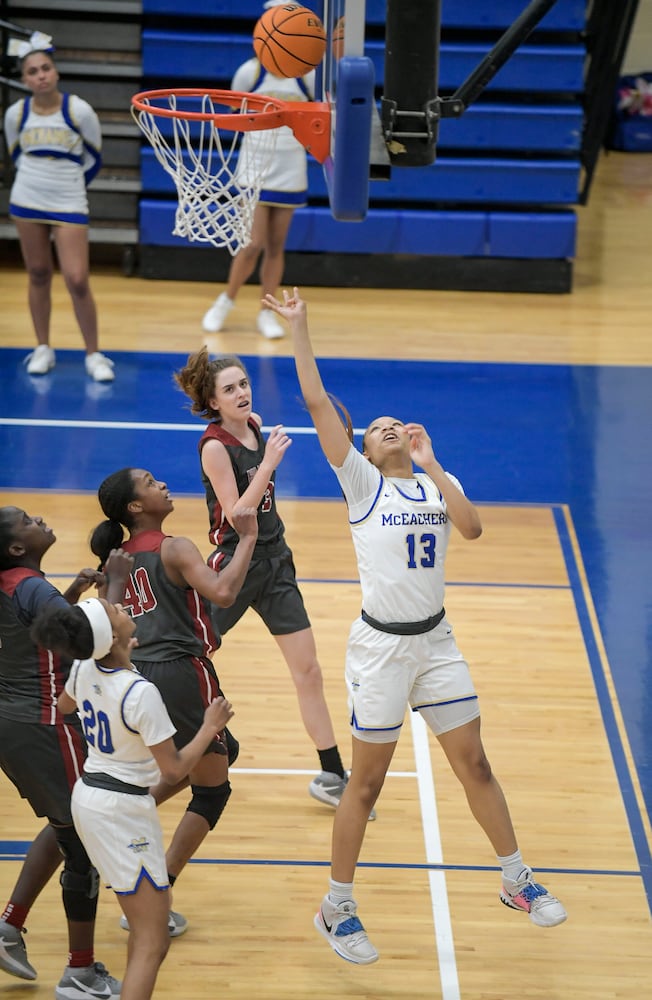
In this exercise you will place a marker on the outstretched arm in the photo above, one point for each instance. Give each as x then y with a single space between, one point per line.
332 435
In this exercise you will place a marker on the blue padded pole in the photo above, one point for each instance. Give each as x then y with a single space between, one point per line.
347 172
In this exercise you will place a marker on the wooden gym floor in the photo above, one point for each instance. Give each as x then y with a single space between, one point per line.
542 406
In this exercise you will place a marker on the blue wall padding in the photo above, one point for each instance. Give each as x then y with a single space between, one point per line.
464 233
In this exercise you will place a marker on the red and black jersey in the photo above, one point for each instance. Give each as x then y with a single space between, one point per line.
245 462
31 678
171 621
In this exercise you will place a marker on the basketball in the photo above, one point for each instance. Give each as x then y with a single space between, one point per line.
289 40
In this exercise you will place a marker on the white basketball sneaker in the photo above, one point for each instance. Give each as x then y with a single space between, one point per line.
269 326
99 367
542 907
213 320
40 361
345 934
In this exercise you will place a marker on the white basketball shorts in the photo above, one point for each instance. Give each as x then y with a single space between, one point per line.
386 673
122 836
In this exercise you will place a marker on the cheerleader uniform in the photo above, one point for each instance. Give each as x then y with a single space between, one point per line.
56 156
286 179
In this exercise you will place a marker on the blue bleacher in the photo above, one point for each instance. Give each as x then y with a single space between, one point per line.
214 58
566 15
449 179
507 172
543 128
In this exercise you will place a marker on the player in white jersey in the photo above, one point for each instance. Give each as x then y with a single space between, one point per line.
285 188
130 747
55 143
401 650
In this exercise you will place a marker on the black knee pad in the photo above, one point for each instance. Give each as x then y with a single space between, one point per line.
80 881
209 801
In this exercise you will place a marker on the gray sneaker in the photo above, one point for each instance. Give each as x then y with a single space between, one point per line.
177 924
13 954
328 788
89 981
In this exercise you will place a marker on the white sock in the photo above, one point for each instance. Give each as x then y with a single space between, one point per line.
340 892
512 866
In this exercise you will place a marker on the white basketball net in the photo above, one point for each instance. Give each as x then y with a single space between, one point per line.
218 177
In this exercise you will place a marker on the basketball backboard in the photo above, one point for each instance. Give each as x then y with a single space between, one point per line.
371 134
346 81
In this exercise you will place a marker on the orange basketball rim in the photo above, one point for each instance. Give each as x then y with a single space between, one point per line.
309 120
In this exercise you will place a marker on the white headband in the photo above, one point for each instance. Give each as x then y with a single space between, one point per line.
101 626
38 42
274 3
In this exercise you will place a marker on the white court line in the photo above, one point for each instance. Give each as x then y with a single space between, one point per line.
450 987
135 425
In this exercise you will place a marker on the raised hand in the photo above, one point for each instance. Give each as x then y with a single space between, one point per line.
85 579
421 450
277 444
117 568
291 308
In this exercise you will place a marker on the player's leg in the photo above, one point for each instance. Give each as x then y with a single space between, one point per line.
79 889
337 919
300 654
41 862
210 791
146 911
465 752
280 604
369 765
187 685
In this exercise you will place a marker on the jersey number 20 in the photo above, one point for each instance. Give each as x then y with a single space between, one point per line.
97 728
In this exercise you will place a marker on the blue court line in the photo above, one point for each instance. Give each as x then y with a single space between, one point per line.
332 581
15 850
625 783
